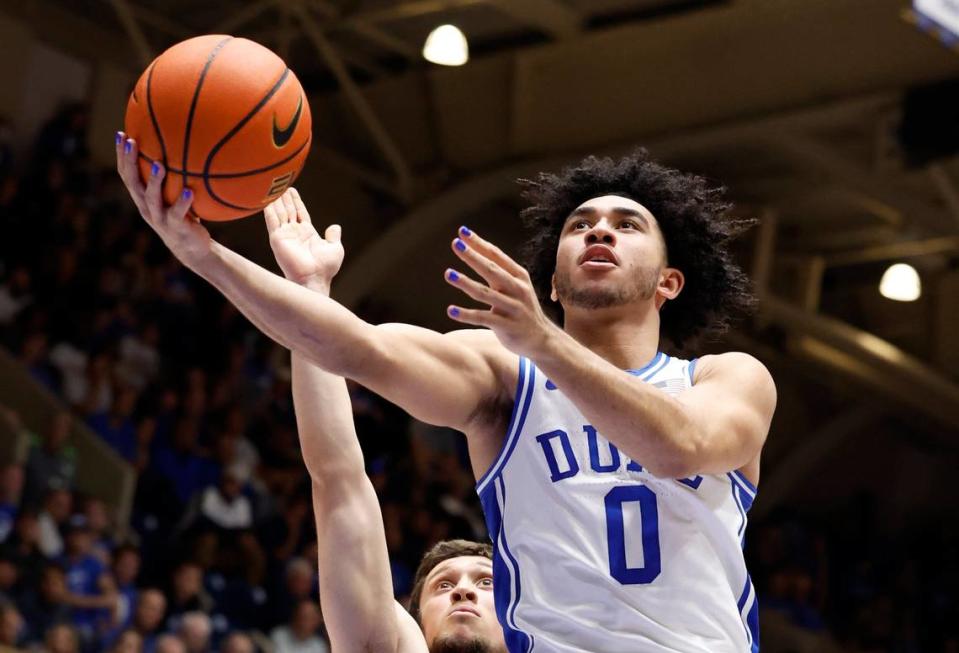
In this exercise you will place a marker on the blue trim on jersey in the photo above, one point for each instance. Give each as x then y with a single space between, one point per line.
648 365
746 482
742 512
516 641
691 370
750 616
523 639
521 404
745 495
656 370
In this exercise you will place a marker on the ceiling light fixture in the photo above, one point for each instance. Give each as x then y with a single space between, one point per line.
446 45
901 283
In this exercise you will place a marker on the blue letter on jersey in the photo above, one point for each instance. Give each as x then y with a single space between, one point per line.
572 465
594 461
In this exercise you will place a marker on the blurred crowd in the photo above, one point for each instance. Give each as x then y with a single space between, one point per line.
220 550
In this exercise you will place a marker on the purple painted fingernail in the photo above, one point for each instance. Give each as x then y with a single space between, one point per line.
154 169
455 312
128 146
452 276
187 193
465 232
119 137
460 245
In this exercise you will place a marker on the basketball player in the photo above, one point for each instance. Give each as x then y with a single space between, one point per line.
615 479
452 608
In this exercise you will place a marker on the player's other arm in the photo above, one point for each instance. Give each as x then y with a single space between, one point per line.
441 379
355 582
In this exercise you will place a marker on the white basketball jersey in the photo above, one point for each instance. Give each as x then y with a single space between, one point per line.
592 554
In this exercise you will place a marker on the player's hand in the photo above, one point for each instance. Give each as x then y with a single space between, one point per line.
185 236
515 315
304 256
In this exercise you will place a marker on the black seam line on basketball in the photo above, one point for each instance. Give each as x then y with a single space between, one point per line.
230 134
153 118
196 96
254 208
232 175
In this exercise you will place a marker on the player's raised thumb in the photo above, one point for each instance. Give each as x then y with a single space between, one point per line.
333 233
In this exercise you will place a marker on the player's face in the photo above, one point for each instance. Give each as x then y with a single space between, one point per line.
611 253
456 607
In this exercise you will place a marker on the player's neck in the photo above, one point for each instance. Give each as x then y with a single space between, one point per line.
626 337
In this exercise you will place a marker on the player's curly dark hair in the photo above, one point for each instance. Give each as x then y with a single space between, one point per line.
693 217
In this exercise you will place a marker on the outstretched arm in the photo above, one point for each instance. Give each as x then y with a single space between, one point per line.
438 378
355 581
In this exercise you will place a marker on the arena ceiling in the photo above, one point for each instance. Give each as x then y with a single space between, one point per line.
793 104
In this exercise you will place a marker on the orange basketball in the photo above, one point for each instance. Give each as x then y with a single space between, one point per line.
226 118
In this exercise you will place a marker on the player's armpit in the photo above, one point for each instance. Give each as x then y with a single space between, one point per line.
731 405
444 379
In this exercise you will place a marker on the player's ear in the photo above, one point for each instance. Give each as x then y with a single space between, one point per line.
670 284
552 292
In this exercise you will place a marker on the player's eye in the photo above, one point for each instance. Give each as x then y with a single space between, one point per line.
486 582
629 224
444 585
580 224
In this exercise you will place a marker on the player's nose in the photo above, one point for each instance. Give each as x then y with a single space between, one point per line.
463 592
601 232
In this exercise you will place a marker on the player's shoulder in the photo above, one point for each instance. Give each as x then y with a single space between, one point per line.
733 364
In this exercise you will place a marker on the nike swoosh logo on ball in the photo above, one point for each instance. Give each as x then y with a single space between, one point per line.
282 136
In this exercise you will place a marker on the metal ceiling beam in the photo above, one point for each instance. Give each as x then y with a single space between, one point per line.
364 111
805 150
239 18
904 249
399 11
363 28
549 16
132 28
870 360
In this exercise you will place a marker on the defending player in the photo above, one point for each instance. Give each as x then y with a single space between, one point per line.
615 479
453 589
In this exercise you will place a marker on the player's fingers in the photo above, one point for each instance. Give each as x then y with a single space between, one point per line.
153 195
484 266
180 208
301 211
289 207
128 171
480 292
333 233
492 251
269 215
472 316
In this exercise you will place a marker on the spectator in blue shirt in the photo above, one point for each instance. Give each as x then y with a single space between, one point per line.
90 587
11 486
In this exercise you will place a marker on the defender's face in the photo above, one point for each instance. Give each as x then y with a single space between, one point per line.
456 607
610 253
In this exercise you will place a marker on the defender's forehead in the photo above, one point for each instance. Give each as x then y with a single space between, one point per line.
461 564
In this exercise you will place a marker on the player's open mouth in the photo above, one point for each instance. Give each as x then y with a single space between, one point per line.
598 257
